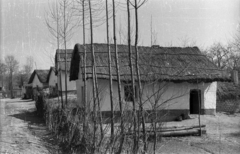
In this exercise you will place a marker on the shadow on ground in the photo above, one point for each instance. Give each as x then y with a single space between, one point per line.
30 117
36 125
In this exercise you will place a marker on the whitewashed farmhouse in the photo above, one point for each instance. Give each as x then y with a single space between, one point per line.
60 70
38 79
175 80
52 81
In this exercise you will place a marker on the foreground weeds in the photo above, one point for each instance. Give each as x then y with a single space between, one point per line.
67 125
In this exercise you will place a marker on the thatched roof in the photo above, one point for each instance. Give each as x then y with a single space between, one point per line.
49 73
60 59
41 74
155 63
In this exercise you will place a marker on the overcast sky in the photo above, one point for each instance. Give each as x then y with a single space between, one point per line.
204 22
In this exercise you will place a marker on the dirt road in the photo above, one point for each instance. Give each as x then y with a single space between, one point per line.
21 131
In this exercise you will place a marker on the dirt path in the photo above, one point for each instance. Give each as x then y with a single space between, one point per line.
21 131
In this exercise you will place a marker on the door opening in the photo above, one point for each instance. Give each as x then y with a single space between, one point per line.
195 101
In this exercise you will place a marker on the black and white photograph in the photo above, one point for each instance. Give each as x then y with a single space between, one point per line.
119 76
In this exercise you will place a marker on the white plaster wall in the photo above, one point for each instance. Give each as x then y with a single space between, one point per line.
210 96
36 82
52 79
171 95
167 95
71 85
104 94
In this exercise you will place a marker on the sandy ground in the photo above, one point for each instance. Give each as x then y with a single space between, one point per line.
21 131
223 136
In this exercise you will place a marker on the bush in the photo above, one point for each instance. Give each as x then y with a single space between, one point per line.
40 103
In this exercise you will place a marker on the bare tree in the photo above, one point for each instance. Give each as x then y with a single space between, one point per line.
187 41
153 33
135 141
219 54
118 77
61 24
12 67
136 5
110 73
236 39
28 67
3 69
84 6
96 99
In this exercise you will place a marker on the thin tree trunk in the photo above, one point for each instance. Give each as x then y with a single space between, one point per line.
155 129
65 47
139 78
151 32
60 78
58 47
85 115
11 88
99 110
135 146
93 77
110 73
118 79
199 113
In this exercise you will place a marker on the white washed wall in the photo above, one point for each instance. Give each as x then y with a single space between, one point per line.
52 79
176 94
210 96
71 85
36 82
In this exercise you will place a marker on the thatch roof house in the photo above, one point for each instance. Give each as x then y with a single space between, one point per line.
182 78
60 69
39 78
52 81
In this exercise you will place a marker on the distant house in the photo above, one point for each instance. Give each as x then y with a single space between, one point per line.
60 70
52 81
39 79
176 81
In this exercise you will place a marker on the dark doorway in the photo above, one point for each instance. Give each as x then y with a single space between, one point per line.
195 101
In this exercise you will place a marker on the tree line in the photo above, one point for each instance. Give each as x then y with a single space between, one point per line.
14 76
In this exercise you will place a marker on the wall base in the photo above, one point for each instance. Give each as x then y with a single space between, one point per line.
162 115
208 111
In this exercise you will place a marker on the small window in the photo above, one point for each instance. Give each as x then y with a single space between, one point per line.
128 93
